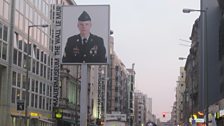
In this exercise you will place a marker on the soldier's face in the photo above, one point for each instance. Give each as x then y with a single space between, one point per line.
84 27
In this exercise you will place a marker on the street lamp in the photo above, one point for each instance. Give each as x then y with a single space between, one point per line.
27 71
182 58
205 57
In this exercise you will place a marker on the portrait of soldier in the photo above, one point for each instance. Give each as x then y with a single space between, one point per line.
84 47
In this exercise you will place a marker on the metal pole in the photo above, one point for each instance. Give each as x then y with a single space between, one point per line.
206 65
84 95
27 80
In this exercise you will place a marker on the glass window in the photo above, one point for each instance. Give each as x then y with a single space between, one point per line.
45 70
47 90
24 95
43 103
38 54
21 6
5 33
21 18
4 51
33 66
50 91
17 4
25 61
48 73
16 38
44 85
33 85
36 101
47 103
1 7
24 82
41 88
42 56
18 94
16 18
36 87
41 69
20 43
26 25
27 10
6 10
32 100
19 58
31 13
37 68
40 102
1 27
18 80
14 78
13 96
15 56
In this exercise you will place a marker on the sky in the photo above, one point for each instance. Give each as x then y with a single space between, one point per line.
152 34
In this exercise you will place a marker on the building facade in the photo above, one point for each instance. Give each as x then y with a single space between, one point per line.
180 97
26 62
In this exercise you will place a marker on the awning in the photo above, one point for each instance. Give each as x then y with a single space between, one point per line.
47 121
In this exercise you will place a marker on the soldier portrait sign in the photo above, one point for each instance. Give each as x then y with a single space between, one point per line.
85 34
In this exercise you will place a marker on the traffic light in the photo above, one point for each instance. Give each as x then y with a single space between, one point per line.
59 114
164 114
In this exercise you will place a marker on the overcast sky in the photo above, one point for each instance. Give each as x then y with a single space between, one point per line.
150 33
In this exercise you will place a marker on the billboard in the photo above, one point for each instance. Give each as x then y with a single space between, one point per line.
85 34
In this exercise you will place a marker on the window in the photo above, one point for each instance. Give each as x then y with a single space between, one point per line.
15 56
33 66
13 96
32 100
37 68
43 106
4 51
24 82
40 102
5 33
1 29
41 87
36 101
19 58
14 78
44 89
36 87
18 80
6 10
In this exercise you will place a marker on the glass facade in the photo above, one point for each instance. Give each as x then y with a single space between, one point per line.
39 52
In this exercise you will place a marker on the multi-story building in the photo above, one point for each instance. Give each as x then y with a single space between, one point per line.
180 97
139 110
26 62
131 85
69 96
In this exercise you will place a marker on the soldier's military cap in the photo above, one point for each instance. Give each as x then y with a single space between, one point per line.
84 17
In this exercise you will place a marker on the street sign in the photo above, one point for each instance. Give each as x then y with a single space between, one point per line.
20 105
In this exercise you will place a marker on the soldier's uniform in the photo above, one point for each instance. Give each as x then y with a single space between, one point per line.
79 50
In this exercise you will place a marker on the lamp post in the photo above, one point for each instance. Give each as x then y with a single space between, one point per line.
27 71
205 57
182 58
